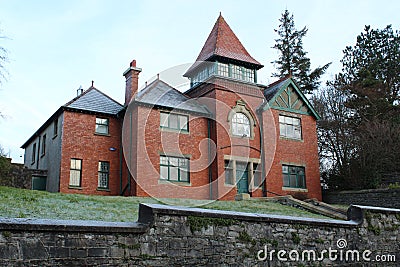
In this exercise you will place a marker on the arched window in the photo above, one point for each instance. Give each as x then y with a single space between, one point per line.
240 125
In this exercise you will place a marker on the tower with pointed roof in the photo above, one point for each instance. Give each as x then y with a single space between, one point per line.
223 55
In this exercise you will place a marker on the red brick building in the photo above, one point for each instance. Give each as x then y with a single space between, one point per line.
224 136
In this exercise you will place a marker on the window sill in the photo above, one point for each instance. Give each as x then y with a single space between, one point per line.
171 130
174 182
55 136
291 139
294 189
32 162
74 187
101 134
243 137
42 155
103 189
229 185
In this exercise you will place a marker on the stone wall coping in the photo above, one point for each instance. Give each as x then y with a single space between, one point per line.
377 209
363 191
23 224
147 212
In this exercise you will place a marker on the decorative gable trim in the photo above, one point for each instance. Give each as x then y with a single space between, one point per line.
289 98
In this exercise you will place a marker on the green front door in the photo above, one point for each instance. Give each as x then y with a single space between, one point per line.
242 180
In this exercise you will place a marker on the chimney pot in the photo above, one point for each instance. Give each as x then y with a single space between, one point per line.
133 63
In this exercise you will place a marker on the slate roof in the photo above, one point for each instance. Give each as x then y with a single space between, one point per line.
91 100
94 100
274 88
223 42
159 93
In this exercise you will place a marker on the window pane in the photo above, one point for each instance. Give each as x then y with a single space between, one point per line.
183 120
73 164
173 173
75 177
184 175
163 119
78 164
286 180
164 160
173 121
300 181
102 129
164 172
292 182
103 180
285 169
228 176
174 161
183 163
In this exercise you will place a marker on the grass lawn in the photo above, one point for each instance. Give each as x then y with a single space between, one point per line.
21 203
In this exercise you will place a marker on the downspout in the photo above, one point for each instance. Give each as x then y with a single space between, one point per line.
264 188
120 165
130 152
38 153
209 157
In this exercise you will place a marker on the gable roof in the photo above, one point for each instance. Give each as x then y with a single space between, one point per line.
96 101
274 90
160 94
222 42
92 100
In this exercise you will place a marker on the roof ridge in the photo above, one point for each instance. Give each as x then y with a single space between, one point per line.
280 80
115 101
79 96
91 88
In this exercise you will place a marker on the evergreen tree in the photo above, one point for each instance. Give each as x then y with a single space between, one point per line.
370 75
368 88
293 59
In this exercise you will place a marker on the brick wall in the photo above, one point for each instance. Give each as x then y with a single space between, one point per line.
292 152
173 236
80 141
151 142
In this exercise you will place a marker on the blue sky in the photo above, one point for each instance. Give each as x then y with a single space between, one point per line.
57 46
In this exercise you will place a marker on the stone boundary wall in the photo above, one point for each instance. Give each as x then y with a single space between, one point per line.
20 177
389 198
177 236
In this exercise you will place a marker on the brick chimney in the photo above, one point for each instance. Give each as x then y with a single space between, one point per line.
131 83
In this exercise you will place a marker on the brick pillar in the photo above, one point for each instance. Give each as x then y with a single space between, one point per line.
131 83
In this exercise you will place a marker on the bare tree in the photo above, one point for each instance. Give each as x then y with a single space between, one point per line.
335 136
